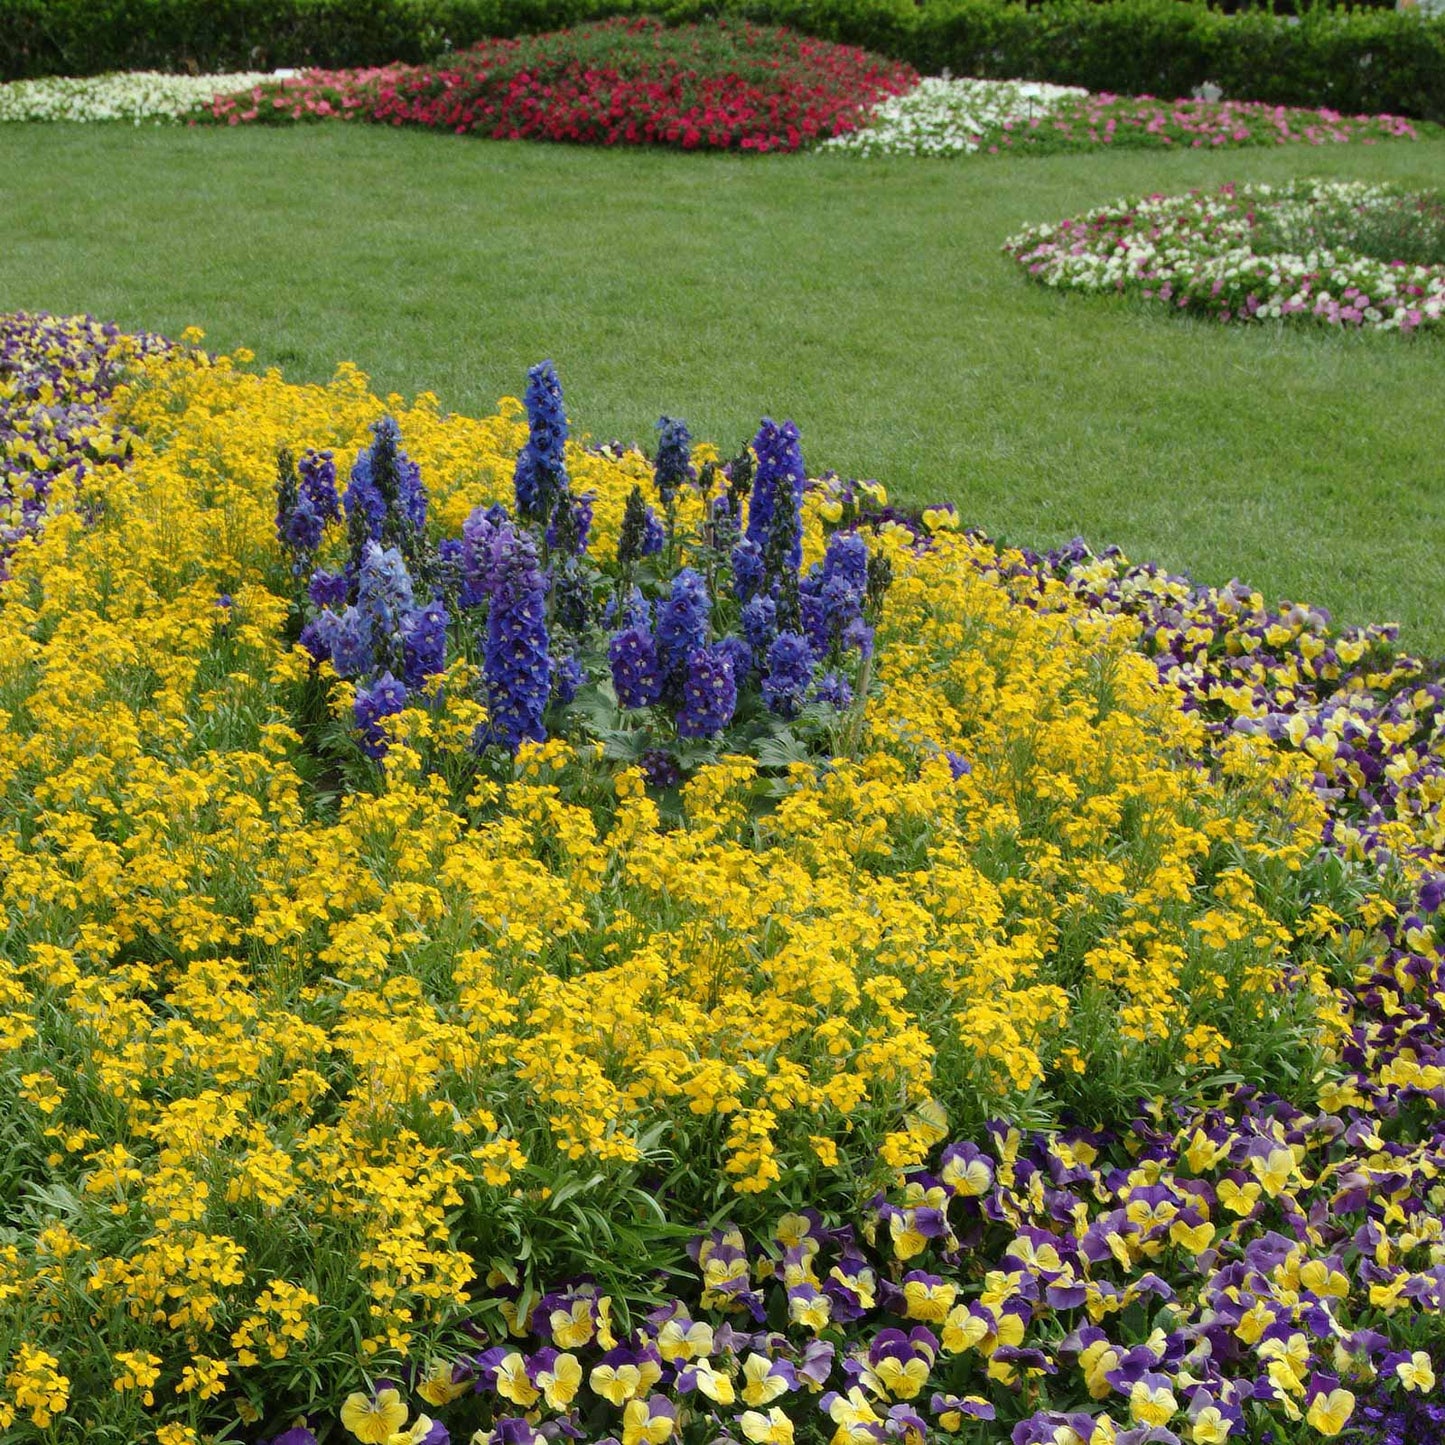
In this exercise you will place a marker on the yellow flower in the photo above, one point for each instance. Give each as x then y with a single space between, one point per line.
560 1384
374 1419
1210 1427
1329 1413
1417 1373
1152 1404
641 1427
774 1428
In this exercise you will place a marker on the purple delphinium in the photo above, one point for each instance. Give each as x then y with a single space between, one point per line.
383 698
836 690
350 643
317 473
570 524
385 499
674 458
384 593
788 674
636 672
759 623
568 677
780 458
742 656
834 593
424 642
516 665
540 477
487 536
327 589
682 620
709 693
747 564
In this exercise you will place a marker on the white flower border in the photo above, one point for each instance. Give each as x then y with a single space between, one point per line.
1194 252
137 96
942 117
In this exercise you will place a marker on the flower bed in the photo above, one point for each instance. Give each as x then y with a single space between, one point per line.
1200 253
365 1062
956 117
633 82
700 86
135 96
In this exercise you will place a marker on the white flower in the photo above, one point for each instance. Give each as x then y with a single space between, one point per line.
941 117
135 96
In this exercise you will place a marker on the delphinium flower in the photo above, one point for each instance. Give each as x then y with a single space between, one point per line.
709 693
540 477
317 472
782 552
344 639
835 689
747 565
779 457
633 532
571 524
517 667
788 674
759 622
833 594
299 524
384 596
569 676
636 671
683 619
486 535
424 642
673 466
741 655
382 698
385 498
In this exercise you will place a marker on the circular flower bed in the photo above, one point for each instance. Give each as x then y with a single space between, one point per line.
1310 249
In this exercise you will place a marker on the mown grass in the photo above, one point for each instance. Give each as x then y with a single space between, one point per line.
865 299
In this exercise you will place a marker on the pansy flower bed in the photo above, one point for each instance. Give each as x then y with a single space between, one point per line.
1258 253
510 940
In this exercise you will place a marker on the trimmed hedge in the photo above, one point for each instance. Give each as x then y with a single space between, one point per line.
1353 61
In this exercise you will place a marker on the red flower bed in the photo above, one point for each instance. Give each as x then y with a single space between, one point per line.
726 86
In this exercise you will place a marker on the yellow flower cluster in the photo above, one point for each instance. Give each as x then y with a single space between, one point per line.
273 1047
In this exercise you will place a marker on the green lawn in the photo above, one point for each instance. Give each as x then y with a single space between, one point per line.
865 299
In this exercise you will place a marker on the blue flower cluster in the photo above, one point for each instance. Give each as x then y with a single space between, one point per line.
712 643
368 623
674 458
709 693
780 459
796 635
540 477
306 501
385 496
517 667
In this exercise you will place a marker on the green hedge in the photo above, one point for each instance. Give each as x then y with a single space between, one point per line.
1354 61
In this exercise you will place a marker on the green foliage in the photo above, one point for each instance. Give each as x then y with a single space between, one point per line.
1353 61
